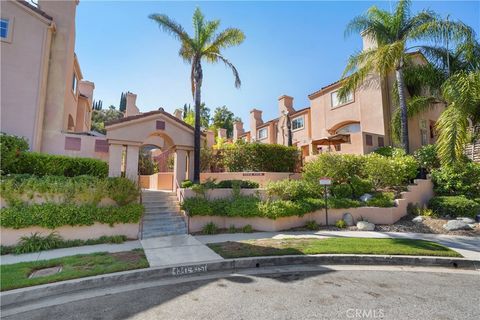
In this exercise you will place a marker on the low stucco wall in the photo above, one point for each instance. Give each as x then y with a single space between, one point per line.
157 181
418 194
9 236
262 178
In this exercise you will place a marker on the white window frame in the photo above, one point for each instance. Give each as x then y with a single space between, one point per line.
8 38
350 99
262 130
303 123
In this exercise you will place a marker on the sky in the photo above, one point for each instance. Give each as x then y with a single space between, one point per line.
291 48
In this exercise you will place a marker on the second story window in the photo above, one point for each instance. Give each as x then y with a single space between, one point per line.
262 133
298 123
335 101
74 83
4 25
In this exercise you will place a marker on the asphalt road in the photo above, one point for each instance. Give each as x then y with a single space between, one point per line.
331 294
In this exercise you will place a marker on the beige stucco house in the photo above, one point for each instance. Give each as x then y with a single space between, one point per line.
359 125
44 97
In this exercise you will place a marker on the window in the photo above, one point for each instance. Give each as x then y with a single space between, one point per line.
349 128
4 24
74 83
369 140
262 133
298 123
336 102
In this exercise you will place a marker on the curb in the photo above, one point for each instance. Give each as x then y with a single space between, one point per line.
15 297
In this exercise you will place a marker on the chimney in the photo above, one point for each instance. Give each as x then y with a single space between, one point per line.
131 109
237 130
285 104
369 42
222 133
86 88
178 113
255 121
210 138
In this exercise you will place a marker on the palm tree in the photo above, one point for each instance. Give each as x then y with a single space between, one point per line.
392 31
205 45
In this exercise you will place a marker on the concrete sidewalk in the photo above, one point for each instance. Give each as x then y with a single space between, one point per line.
469 247
65 252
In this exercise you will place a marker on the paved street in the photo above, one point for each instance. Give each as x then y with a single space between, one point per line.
328 293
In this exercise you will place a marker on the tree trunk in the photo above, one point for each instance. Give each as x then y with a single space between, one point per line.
197 76
403 109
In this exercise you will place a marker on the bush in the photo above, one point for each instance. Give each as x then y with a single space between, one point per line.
389 151
391 172
454 206
293 189
42 164
247 229
52 215
340 167
79 189
341 224
427 158
312 225
244 184
356 188
232 229
186 184
36 242
210 228
10 149
382 199
457 179
259 157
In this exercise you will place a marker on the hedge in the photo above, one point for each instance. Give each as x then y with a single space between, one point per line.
80 189
10 147
454 206
458 179
53 215
259 157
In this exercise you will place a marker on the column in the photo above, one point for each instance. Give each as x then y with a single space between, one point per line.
190 165
180 167
131 168
115 160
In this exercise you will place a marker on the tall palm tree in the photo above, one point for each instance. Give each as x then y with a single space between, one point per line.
392 31
205 45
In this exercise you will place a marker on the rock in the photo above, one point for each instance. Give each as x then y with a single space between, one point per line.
453 225
472 225
348 218
418 219
466 220
365 226
365 197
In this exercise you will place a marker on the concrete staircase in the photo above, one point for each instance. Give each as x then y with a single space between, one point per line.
162 214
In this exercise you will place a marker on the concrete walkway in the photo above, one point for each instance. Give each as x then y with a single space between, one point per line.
177 249
58 253
469 247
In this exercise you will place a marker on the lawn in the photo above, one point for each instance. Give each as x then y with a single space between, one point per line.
16 275
305 246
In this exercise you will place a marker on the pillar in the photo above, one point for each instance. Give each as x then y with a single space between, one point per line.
190 165
180 167
131 167
115 160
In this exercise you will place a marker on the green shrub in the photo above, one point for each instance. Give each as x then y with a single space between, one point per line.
354 189
340 167
312 225
389 151
341 224
210 228
186 184
10 149
247 229
343 203
244 184
293 189
42 164
198 206
454 206
458 179
36 242
427 158
242 206
259 157
79 189
390 172
53 215
232 229
382 199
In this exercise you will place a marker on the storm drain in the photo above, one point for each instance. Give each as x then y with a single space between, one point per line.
45 272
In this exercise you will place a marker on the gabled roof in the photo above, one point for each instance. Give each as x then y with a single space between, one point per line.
35 9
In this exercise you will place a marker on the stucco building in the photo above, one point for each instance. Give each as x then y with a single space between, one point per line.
44 97
358 125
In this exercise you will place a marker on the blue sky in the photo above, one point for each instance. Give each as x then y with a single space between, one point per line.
291 48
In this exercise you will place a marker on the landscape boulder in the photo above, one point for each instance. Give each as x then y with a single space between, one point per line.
466 220
453 225
365 226
365 197
418 219
348 218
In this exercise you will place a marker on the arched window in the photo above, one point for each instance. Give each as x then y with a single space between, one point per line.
71 124
349 128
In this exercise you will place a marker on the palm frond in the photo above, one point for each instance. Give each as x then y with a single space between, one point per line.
452 126
227 38
213 57
442 31
172 27
198 22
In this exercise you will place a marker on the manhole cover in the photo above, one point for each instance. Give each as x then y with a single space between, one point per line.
45 272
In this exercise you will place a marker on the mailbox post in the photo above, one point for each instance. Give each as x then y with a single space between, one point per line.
325 181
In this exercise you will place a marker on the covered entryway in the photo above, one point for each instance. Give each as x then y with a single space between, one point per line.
172 136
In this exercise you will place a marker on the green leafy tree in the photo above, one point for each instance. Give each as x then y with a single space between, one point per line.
189 115
224 118
100 117
392 33
123 102
205 45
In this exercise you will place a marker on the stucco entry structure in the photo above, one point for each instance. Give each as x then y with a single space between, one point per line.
159 128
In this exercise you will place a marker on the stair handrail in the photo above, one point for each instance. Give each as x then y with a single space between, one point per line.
181 198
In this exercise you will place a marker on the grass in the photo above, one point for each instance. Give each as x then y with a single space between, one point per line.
16 275
305 246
